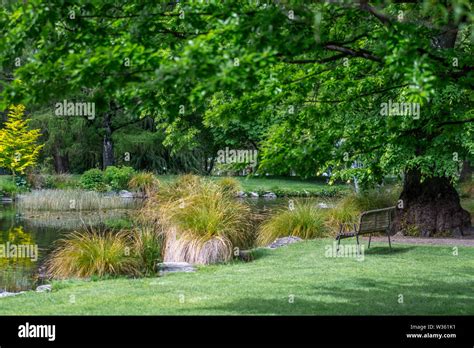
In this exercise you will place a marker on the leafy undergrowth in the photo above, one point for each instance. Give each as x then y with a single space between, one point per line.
295 280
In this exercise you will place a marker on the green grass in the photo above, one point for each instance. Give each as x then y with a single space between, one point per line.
431 280
280 186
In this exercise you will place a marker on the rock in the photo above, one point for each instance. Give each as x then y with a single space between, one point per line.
284 241
323 206
269 195
125 194
254 194
172 267
43 288
241 194
8 294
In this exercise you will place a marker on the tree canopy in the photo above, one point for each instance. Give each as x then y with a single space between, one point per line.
302 81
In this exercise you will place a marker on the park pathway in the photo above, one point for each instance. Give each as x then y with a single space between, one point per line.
460 241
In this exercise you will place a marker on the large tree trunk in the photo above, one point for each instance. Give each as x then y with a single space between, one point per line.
108 145
432 206
61 162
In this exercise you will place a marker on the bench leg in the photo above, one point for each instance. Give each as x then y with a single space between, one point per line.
338 243
370 238
358 245
389 242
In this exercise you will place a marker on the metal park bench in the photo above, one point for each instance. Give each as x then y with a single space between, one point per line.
372 221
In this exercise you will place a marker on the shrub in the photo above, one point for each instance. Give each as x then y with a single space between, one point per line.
229 185
305 221
93 179
348 209
92 253
144 182
201 223
118 177
147 247
346 212
331 192
63 181
185 185
21 182
56 181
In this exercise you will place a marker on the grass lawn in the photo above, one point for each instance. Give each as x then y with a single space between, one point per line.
430 278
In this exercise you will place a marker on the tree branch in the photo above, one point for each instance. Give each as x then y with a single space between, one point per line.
385 20
349 51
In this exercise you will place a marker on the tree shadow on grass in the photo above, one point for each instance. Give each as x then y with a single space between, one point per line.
359 296
261 253
387 251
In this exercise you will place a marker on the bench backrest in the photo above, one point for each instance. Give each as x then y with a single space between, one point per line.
378 220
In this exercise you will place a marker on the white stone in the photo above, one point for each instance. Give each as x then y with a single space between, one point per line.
125 194
8 294
43 288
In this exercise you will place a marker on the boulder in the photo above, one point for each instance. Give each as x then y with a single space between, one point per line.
254 194
269 195
279 242
125 194
8 294
44 288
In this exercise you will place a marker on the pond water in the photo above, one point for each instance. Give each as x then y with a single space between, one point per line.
26 238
